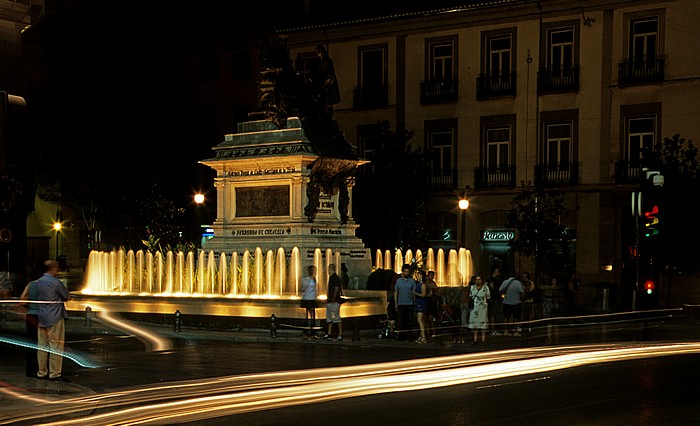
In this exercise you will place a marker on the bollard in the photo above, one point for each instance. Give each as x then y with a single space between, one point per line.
178 321
273 326
88 316
355 331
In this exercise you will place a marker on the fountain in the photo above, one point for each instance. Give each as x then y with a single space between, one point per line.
283 190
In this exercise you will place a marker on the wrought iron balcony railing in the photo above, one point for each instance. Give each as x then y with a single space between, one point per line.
494 177
627 171
490 85
369 97
641 71
442 179
558 80
556 173
438 91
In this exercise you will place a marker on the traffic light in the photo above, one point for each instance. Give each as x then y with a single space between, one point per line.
649 286
651 221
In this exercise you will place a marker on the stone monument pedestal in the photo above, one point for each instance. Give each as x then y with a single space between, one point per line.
262 185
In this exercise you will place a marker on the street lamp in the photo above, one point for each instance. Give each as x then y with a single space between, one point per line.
57 228
463 206
199 198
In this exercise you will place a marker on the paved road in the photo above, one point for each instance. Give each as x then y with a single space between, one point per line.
196 354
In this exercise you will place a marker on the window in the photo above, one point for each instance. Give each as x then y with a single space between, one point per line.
497 147
558 145
498 66
641 135
640 127
645 62
643 42
440 84
371 91
442 61
440 141
497 144
367 141
560 50
558 156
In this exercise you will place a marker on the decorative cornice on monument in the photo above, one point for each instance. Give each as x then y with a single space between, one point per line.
254 140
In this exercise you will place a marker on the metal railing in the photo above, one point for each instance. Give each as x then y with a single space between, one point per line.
641 71
438 91
556 173
489 85
490 177
558 80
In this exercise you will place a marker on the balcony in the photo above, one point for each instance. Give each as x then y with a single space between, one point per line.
628 172
492 86
438 92
370 97
442 179
558 80
641 71
556 173
494 177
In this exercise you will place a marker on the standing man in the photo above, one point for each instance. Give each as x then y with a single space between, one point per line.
404 295
31 324
495 310
308 301
332 303
52 314
513 292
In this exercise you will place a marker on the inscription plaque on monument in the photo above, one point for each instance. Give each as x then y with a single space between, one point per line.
262 201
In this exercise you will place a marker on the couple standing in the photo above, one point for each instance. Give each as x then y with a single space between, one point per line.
308 301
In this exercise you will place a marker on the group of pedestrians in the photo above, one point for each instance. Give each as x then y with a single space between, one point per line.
334 298
45 324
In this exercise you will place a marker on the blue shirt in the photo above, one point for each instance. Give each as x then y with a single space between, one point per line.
405 288
513 290
50 289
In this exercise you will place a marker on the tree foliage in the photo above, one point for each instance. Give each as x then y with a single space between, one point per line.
676 249
389 194
535 215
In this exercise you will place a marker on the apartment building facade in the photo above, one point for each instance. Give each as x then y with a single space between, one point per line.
505 95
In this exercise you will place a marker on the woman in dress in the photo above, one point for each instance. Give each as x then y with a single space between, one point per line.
478 318
308 301
421 294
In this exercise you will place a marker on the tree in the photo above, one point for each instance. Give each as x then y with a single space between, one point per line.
676 248
535 215
389 194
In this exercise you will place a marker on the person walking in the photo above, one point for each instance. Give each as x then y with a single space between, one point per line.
308 301
479 317
333 303
404 295
421 297
51 336
513 292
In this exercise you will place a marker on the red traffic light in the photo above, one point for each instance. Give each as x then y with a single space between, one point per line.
649 286
652 213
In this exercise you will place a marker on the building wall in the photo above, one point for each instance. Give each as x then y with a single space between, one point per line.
598 201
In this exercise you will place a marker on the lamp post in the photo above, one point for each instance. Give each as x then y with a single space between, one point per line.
199 205
57 228
463 206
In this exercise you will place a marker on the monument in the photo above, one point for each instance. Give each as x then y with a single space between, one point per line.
286 180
